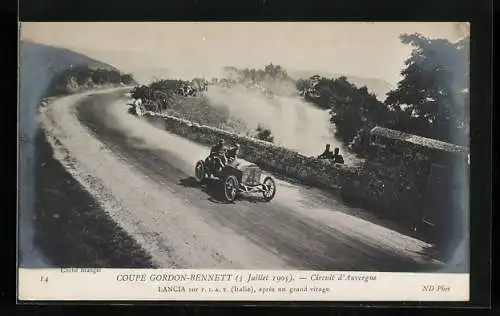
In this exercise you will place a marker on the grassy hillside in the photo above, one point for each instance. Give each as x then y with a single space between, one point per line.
198 110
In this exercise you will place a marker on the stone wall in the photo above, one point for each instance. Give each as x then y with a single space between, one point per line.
267 155
434 173
392 185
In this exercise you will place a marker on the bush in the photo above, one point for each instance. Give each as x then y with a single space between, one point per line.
272 79
264 134
82 77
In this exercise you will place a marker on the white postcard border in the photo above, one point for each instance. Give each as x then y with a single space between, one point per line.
238 285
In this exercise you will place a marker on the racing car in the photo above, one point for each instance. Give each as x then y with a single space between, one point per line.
235 178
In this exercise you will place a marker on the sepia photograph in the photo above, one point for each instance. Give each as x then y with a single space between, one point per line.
313 146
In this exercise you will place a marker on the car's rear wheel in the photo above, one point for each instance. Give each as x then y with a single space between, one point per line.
199 171
269 188
231 187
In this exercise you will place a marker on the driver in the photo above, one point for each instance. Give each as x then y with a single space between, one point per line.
217 151
218 148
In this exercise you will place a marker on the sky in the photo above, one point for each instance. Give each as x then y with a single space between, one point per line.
189 49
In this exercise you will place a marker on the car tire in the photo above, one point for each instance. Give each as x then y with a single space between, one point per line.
199 171
269 181
230 188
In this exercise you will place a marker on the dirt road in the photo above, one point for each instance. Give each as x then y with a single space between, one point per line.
142 177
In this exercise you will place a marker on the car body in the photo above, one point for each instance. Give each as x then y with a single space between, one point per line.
236 177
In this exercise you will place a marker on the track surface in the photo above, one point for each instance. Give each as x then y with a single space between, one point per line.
142 176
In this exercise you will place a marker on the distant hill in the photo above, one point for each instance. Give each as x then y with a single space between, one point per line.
56 56
40 64
145 75
377 86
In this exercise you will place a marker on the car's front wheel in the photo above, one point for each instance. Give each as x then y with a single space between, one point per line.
269 188
231 187
199 171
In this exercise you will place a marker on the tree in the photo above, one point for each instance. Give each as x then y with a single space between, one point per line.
432 98
99 76
113 76
302 85
82 74
127 79
165 85
275 71
264 134
307 89
354 111
140 92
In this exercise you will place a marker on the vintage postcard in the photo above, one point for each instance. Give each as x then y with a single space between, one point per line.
219 161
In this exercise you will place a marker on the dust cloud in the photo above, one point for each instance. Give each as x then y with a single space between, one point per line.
150 135
295 124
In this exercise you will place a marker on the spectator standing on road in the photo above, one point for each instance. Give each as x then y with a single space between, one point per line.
138 107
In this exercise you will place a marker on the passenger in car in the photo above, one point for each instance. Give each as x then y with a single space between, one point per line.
232 153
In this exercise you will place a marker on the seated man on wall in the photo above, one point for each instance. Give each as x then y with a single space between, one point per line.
335 157
327 154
